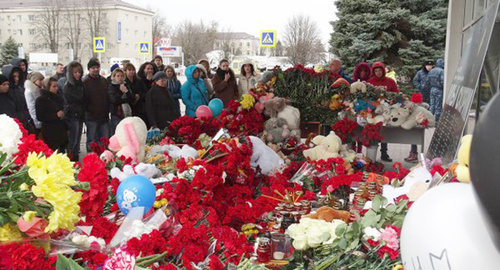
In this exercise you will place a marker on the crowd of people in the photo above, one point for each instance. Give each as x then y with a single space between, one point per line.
56 108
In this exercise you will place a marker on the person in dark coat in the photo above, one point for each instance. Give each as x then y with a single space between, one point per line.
111 69
146 73
420 79
158 61
435 82
174 86
139 92
224 83
12 103
23 65
96 103
74 97
160 104
49 110
60 71
120 97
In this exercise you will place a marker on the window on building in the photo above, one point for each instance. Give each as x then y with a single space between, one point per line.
20 32
31 32
19 17
248 52
126 45
105 15
8 18
136 47
14 32
9 31
20 44
31 18
145 33
248 44
241 44
32 46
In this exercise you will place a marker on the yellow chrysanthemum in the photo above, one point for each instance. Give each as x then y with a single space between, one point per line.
319 69
9 233
24 187
397 267
53 177
247 101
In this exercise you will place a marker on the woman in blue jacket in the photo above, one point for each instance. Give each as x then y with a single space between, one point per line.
193 91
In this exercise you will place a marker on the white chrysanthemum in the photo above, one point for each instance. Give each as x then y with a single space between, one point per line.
371 233
10 136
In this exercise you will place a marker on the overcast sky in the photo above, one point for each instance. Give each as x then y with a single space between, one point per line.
247 16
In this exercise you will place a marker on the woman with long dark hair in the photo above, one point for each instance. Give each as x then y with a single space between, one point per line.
174 86
146 73
224 83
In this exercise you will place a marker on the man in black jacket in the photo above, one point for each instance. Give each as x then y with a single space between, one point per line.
12 103
97 103
74 101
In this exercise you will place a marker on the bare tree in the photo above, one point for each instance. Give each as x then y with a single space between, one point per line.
278 50
196 39
226 44
74 32
160 26
95 18
48 23
301 37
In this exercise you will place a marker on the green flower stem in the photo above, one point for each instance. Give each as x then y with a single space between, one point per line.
145 261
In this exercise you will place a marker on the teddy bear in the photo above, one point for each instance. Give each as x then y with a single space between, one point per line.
325 147
130 139
174 151
145 169
263 156
358 86
276 130
382 114
397 115
462 170
328 214
418 115
277 107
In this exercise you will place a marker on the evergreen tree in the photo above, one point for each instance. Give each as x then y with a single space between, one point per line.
401 33
9 51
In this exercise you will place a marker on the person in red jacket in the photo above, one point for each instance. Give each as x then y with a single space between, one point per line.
379 78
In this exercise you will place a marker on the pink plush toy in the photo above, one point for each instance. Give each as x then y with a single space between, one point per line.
129 139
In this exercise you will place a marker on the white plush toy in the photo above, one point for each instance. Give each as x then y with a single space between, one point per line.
263 156
326 147
147 170
292 117
398 115
174 151
129 139
358 86
417 116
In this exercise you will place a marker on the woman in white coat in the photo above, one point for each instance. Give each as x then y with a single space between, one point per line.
33 87
248 78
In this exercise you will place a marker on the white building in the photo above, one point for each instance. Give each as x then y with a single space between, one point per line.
125 26
240 43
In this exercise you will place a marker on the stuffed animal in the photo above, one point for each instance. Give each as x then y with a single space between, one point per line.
419 115
263 156
273 106
326 147
276 107
328 214
174 151
383 112
147 170
276 130
462 169
398 115
358 86
129 139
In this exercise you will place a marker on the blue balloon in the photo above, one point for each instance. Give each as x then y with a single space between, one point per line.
216 105
135 191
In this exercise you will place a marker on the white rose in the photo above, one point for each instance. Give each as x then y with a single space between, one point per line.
80 240
316 237
10 136
295 231
300 243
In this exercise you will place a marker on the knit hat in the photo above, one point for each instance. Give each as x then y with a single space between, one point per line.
3 79
159 75
35 76
92 63
113 67
431 63
158 57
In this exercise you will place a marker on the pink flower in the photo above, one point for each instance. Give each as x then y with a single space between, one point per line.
390 236
330 189
121 260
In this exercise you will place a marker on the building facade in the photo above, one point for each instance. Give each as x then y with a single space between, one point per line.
124 27
237 43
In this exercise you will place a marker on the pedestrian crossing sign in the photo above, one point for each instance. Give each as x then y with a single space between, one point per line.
99 44
268 38
144 47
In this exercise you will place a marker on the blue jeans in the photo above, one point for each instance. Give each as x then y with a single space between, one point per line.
436 102
75 136
96 130
113 123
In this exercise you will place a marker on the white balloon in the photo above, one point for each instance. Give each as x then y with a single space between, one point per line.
446 230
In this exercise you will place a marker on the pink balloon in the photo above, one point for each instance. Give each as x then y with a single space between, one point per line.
203 111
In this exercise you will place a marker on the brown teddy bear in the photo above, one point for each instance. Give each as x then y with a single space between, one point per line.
328 214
